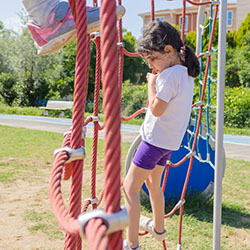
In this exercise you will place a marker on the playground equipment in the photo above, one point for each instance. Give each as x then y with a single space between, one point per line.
202 176
103 229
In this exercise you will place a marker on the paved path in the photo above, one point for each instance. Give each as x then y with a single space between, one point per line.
236 147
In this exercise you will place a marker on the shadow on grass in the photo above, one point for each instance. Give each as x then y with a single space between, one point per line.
196 206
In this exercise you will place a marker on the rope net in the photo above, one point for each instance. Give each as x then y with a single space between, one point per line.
112 70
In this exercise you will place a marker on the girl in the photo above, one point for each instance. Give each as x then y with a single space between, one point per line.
170 95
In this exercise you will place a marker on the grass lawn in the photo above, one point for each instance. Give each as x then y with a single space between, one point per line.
26 220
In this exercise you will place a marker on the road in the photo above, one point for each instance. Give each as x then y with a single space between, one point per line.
236 147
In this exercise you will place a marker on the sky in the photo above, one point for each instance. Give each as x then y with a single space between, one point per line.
131 21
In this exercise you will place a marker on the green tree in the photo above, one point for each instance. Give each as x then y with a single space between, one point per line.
231 39
33 73
244 61
242 31
134 68
206 36
64 86
7 90
232 68
190 40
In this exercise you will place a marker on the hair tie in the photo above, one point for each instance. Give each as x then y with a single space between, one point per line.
183 52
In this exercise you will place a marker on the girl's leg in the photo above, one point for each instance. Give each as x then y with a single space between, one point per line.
157 199
132 185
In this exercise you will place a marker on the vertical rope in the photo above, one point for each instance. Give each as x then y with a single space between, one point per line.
80 94
95 3
152 10
95 113
183 21
121 55
208 90
112 107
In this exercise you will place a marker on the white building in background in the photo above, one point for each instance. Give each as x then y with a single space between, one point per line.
243 8
236 13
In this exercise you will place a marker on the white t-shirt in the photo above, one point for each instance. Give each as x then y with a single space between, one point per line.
174 86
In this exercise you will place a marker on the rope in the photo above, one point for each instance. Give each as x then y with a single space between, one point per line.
138 112
131 54
95 113
67 219
120 50
80 94
112 107
200 3
183 21
152 10
96 236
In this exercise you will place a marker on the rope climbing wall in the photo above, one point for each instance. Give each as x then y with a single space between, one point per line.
74 139
96 228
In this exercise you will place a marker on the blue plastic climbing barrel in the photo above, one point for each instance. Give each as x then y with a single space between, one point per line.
201 179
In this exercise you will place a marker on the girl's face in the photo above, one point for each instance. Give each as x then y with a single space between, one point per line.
158 61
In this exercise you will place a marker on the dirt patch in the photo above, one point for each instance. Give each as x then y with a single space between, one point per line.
15 200
26 219
239 238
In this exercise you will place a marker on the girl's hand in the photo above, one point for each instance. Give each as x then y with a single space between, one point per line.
156 105
151 78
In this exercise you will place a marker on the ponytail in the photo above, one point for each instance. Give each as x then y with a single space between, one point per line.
191 62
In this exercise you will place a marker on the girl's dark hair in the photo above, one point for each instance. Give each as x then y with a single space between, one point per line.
159 34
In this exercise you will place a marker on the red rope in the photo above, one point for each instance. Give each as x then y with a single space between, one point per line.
80 94
67 220
152 10
95 113
95 3
96 235
138 112
68 167
200 3
131 54
112 107
165 178
121 58
64 219
183 21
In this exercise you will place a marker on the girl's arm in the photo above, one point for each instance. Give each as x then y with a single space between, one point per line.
156 105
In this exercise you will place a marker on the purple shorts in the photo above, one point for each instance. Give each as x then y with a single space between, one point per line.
147 156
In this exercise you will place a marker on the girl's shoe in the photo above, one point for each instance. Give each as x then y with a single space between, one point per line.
126 247
147 224
60 29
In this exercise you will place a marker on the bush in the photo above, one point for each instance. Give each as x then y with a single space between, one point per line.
237 103
7 89
237 106
134 97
